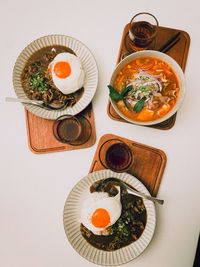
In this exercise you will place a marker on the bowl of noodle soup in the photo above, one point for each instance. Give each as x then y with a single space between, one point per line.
147 87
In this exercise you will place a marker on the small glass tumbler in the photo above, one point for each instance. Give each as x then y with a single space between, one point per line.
143 29
72 130
116 155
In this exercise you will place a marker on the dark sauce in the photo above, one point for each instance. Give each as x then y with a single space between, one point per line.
38 63
133 218
118 157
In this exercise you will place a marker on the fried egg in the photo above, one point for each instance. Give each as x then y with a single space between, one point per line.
67 73
99 211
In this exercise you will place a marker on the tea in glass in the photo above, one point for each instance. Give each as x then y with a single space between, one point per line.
69 129
142 30
72 130
119 157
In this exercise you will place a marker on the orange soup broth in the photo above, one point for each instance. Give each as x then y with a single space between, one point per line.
152 66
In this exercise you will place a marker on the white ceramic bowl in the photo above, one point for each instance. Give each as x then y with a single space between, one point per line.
71 221
89 66
172 63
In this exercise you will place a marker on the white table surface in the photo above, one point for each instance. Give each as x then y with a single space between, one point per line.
33 188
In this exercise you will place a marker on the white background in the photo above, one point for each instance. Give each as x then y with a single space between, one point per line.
33 188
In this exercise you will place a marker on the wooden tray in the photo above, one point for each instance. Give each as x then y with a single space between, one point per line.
179 52
149 162
40 135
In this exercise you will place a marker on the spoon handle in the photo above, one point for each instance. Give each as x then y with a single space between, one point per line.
140 194
132 190
28 101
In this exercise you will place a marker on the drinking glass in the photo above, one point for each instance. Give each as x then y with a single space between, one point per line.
143 29
116 155
72 130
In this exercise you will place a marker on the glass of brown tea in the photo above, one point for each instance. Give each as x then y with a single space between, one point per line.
71 129
143 28
118 157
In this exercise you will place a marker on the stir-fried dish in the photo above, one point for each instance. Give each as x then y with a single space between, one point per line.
129 226
145 89
37 80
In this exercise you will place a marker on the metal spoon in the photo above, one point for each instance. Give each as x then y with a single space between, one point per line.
131 189
54 105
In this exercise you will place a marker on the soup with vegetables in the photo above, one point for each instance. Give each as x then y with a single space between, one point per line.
145 89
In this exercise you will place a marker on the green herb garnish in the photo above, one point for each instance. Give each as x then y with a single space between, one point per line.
39 82
120 229
142 88
126 89
143 78
140 104
115 95
124 100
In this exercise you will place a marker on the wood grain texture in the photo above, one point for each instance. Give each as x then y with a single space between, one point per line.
41 139
179 53
148 166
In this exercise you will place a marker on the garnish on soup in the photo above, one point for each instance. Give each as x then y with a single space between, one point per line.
145 89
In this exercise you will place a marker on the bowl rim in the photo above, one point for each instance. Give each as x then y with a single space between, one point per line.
176 68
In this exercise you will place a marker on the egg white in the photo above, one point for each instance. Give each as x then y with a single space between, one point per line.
102 200
75 80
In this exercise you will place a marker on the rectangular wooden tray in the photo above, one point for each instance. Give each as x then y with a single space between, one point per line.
179 52
149 162
41 139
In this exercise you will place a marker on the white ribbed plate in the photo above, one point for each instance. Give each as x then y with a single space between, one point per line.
89 65
71 220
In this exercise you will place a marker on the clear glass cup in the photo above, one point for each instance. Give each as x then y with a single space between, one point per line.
72 130
116 155
143 29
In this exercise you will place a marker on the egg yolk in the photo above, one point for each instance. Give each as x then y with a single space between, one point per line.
62 69
100 218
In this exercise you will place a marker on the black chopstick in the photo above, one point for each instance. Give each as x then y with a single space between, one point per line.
169 44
